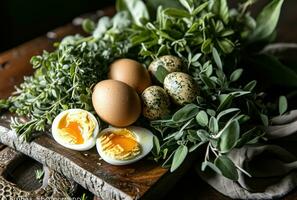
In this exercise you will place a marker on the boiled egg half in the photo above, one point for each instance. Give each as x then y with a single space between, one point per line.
75 129
122 146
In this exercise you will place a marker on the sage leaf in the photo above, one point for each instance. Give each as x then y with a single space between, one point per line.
225 112
203 135
225 101
207 46
186 4
266 21
229 136
195 146
282 105
250 86
220 8
202 118
200 8
213 125
227 167
247 137
176 12
210 165
185 113
179 156
156 148
161 73
217 58
236 75
207 81
226 45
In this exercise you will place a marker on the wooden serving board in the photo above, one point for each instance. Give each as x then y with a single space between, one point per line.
144 179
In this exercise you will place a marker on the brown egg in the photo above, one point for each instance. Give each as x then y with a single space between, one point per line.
130 72
116 103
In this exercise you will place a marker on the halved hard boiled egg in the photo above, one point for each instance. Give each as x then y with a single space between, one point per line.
122 146
75 129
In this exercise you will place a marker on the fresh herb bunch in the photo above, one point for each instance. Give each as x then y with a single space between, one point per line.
206 34
64 78
210 38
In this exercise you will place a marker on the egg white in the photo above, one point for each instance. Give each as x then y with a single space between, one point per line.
143 136
88 144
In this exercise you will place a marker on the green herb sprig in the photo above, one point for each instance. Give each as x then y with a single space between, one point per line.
64 78
207 35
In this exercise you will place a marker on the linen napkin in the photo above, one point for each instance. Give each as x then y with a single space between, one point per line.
273 165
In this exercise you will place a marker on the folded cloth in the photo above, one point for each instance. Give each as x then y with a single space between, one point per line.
272 166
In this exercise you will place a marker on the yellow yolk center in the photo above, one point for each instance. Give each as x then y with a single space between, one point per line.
74 128
120 144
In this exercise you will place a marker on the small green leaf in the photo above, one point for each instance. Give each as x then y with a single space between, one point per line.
248 136
282 105
264 119
186 4
213 125
156 148
250 86
225 101
207 81
207 46
225 112
200 8
39 173
202 118
210 165
227 167
266 21
229 136
185 113
203 135
88 26
220 8
195 146
161 73
226 45
179 156
217 58
176 12
236 75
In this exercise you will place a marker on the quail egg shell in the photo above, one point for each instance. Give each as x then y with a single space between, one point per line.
155 102
169 62
122 146
75 129
181 87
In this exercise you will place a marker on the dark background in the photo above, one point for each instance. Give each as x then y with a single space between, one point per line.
22 20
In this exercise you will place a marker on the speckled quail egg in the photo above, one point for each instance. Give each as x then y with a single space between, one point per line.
75 129
169 62
181 87
122 146
155 102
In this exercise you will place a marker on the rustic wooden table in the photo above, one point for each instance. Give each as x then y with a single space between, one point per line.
14 64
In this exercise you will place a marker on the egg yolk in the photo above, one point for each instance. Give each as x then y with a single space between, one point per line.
120 144
72 130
